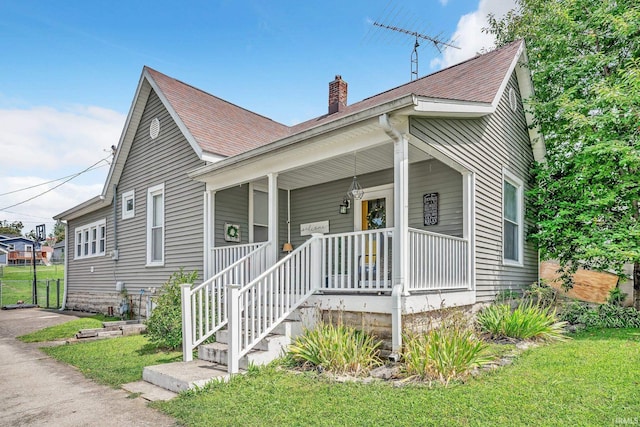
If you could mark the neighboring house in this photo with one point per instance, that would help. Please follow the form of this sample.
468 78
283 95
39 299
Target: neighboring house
58 252
20 251
4 250
443 164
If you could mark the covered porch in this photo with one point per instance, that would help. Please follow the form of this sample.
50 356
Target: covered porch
283 227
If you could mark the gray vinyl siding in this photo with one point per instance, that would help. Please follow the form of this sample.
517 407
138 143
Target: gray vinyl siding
164 160
232 207
433 176
79 275
487 145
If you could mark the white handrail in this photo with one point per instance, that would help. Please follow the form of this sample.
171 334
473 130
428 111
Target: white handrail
437 261
272 297
204 309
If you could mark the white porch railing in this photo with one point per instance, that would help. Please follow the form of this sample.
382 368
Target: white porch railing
204 308
357 261
222 257
257 308
437 261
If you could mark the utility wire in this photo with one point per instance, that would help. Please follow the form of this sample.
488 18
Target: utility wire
53 180
53 188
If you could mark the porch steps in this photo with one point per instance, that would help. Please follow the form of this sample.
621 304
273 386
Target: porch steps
267 350
212 360
181 376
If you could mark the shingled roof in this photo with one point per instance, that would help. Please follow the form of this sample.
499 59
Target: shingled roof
225 129
218 126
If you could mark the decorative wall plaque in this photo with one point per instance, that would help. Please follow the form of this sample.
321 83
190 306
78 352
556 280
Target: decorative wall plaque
430 208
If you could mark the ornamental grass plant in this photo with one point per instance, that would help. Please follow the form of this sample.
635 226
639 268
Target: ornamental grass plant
338 349
446 352
527 321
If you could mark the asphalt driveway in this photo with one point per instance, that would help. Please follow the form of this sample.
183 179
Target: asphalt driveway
36 390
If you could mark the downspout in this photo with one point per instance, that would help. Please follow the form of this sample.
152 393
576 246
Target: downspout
115 223
66 266
398 287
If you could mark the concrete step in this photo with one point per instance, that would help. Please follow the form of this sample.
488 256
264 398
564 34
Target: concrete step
148 391
218 352
181 376
270 342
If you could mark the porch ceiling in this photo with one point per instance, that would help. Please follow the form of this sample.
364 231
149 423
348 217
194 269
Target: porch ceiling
369 160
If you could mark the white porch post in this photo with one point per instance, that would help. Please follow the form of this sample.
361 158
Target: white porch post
209 238
469 221
187 330
401 212
273 218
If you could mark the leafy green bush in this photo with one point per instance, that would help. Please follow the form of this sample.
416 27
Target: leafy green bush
443 354
339 349
601 316
616 296
164 327
527 321
541 294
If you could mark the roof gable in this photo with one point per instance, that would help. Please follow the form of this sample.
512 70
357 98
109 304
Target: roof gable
218 126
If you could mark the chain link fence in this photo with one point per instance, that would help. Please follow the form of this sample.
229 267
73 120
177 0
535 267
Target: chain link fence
47 293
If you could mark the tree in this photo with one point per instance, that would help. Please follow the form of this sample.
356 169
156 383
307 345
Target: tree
58 231
584 57
12 228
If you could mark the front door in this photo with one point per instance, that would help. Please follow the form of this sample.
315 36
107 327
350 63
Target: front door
375 209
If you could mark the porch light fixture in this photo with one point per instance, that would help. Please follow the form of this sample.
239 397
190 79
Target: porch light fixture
355 191
287 247
345 205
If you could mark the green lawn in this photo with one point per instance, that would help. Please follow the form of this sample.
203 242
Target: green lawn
593 379
114 361
16 284
66 330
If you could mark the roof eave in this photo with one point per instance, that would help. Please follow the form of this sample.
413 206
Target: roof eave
83 208
403 103
437 107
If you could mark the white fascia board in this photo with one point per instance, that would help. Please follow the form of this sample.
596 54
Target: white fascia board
448 108
176 118
374 112
288 158
525 84
128 133
83 208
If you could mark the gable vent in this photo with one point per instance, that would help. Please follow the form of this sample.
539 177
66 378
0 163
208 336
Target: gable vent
154 129
513 100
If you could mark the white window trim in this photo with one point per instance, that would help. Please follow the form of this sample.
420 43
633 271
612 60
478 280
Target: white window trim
86 246
519 184
125 197
153 191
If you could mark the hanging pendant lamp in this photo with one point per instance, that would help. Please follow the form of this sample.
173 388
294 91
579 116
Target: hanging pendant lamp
355 191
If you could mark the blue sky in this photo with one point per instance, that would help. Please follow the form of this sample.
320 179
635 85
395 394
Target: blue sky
70 69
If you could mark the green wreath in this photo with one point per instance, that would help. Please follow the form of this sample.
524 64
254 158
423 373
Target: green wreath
377 217
232 232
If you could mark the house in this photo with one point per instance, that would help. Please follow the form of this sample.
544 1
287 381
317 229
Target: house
58 252
386 208
19 251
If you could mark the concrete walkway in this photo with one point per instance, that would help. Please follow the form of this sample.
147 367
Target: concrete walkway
36 390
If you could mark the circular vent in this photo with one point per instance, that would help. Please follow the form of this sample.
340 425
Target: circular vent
154 129
513 101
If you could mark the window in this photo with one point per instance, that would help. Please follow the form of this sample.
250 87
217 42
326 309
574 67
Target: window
512 219
91 239
128 204
260 216
155 225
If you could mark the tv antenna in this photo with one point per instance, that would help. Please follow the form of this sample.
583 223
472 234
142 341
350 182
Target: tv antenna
437 42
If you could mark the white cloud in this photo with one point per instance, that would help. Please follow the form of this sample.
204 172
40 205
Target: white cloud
443 2
45 138
469 36
40 144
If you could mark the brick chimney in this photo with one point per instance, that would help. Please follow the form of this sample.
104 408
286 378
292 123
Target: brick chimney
337 95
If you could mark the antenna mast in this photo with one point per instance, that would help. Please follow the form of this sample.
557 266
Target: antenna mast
437 42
